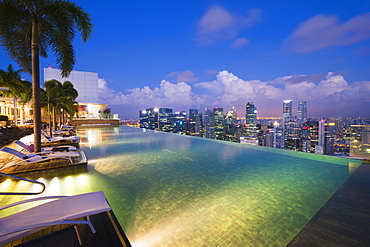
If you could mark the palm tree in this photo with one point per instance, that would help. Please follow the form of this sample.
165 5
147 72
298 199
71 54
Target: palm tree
29 27
18 88
50 97
57 97
68 106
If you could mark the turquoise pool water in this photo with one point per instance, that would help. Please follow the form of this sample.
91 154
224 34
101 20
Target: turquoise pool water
173 190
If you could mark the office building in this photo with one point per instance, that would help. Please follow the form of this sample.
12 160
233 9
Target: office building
287 107
193 113
302 111
251 119
165 119
179 122
218 116
326 137
144 119
209 124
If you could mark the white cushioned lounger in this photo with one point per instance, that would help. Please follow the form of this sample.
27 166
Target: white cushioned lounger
62 210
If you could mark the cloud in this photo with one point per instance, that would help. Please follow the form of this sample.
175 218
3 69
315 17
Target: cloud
167 94
326 94
322 31
219 24
240 43
183 76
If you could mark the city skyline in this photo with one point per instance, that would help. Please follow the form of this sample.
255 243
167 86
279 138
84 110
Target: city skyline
190 54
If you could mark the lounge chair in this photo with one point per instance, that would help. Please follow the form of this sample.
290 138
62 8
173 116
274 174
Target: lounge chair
59 140
62 210
46 149
37 157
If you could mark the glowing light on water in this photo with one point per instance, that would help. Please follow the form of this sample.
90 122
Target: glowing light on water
4 186
53 187
82 182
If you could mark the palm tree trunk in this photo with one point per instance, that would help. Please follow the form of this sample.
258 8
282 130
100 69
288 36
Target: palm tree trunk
50 132
54 119
36 87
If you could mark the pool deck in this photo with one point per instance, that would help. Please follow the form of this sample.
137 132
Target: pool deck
344 220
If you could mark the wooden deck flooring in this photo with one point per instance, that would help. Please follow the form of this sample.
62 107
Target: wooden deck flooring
345 219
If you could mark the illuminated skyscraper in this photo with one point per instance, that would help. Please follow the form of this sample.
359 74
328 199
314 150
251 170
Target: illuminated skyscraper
153 118
219 123
179 121
287 107
326 137
230 125
209 124
287 120
251 119
165 119
193 113
302 111
144 118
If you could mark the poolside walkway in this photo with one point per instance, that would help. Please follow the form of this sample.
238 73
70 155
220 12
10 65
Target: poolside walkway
344 220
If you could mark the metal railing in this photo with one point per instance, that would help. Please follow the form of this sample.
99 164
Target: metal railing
24 179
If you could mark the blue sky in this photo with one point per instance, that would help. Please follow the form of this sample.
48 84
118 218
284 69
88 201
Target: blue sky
197 54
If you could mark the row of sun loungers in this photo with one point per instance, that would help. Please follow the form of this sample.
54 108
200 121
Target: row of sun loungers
56 210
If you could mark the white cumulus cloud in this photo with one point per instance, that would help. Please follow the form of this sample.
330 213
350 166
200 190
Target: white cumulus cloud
328 92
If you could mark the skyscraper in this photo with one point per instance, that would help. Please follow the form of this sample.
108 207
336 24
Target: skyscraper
193 113
230 125
219 123
209 124
251 119
179 121
165 119
287 117
144 118
153 118
287 107
326 137
302 111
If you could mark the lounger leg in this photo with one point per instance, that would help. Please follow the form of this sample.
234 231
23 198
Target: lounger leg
91 226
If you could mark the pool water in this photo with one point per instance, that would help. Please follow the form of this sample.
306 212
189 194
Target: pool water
173 190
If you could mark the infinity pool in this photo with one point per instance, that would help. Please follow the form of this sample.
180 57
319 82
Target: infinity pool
173 190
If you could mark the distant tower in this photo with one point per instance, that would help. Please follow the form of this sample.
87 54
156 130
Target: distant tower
144 118
219 123
179 121
165 119
152 118
251 119
287 108
209 124
302 111
193 113
230 125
